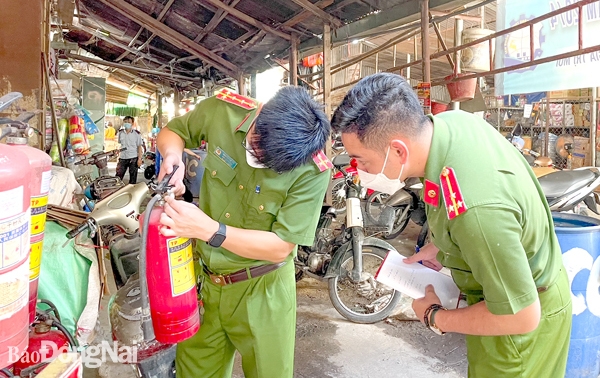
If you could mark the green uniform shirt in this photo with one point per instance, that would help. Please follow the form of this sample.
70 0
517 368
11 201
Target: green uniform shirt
502 249
238 195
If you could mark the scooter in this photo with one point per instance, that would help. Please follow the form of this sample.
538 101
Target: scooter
348 260
105 184
126 308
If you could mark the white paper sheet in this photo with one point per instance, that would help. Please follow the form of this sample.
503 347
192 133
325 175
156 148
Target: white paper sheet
411 279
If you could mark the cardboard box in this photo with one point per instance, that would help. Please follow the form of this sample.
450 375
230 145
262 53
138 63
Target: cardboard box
581 144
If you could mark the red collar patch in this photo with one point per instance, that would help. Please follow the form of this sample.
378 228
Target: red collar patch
431 193
322 161
453 198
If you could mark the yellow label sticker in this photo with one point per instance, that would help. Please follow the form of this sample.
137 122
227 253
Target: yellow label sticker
39 205
35 260
181 265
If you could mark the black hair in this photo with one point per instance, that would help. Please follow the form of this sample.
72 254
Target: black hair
290 128
128 117
378 107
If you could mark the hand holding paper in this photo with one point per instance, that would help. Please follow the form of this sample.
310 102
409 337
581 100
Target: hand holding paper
412 279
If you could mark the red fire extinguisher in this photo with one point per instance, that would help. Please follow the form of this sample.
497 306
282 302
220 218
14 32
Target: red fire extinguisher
171 281
44 345
41 165
15 174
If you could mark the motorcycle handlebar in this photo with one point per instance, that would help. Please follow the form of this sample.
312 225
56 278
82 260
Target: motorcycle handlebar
77 230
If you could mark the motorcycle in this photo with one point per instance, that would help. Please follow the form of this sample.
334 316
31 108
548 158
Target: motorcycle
348 260
149 165
105 184
565 190
119 213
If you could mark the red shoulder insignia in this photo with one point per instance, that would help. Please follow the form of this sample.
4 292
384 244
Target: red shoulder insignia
453 198
236 99
431 193
322 161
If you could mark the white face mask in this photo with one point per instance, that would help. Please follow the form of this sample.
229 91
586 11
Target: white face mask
253 161
380 181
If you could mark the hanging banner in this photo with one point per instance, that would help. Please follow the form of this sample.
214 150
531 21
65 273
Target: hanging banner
552 36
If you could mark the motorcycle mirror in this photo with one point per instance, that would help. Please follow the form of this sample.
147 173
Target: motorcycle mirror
517 130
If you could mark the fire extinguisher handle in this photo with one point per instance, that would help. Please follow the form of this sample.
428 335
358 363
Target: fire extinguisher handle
163 186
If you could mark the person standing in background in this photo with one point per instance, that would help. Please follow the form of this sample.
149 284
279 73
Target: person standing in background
131 158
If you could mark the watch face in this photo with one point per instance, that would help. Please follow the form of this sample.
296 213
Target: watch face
217 240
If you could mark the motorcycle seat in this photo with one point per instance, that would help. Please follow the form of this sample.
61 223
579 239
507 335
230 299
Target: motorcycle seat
559 183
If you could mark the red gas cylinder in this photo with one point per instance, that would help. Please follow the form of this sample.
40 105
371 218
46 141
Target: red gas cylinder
15 174
41 165
44 344
171 284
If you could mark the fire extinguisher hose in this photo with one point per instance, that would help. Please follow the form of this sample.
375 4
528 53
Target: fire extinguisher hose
70 337
147 330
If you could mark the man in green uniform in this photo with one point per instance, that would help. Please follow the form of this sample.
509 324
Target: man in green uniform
264 180
489 221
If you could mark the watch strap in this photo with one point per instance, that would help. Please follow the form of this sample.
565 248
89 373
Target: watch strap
218 237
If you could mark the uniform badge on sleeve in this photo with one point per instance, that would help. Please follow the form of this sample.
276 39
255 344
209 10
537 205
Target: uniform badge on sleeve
431 193
453 198
236 99
322 161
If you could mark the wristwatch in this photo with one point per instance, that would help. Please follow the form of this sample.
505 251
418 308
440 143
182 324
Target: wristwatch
218 237
429 318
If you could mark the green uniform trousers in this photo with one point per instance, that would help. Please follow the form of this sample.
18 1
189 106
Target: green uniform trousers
541 353
257 317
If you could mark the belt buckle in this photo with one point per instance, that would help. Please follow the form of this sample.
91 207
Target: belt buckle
218 279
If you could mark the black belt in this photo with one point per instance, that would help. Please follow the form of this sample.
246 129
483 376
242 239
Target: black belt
241 275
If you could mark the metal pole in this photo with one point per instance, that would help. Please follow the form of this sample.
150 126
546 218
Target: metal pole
458 29
594 120
407 68
159 99
377 63
394 53
425 40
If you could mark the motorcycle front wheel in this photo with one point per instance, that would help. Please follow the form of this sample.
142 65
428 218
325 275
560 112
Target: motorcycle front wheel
367 301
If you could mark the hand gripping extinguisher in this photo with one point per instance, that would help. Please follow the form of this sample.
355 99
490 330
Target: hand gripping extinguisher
167 278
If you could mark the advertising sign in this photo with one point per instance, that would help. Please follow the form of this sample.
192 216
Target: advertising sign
553 36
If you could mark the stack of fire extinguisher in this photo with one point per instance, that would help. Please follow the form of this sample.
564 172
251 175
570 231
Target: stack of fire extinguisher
24 187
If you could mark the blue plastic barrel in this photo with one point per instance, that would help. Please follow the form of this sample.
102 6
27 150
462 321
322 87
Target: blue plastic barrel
579 239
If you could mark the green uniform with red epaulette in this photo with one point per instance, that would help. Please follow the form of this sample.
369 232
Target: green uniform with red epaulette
257 316
490 220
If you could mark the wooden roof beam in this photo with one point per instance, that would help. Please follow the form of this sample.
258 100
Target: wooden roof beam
303 15
160 17
244 17
326 17
215 21
172 36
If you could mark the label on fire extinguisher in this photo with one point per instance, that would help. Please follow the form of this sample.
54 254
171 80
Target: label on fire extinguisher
35 260
39 205
14 289
14 240
181 265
